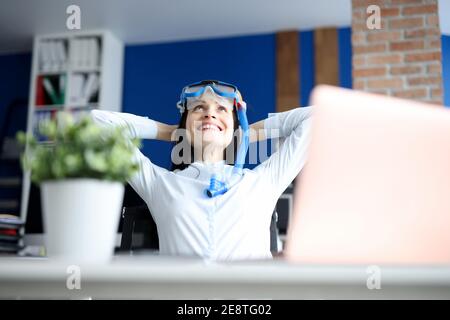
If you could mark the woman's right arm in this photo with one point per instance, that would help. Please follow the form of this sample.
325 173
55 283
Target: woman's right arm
165 131
142 128
138 126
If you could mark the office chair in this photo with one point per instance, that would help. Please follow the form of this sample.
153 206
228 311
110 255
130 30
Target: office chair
139 230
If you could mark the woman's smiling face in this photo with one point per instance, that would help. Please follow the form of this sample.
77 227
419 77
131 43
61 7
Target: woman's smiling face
210 121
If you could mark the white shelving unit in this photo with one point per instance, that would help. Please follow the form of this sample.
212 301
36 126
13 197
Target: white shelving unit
74 71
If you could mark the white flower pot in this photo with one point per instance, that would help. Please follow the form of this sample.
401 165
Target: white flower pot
81 218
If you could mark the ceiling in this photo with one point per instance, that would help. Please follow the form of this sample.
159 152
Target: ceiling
150 21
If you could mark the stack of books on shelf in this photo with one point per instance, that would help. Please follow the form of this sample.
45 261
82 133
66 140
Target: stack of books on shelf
85 53
10 238
50 90
53 55
84 88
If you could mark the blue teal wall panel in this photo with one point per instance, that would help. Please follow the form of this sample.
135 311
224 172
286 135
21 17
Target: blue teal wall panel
446 68
345 57
306 65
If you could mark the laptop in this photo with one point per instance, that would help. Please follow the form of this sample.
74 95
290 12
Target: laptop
376 187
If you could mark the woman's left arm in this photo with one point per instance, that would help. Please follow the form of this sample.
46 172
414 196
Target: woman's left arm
294 127
282 123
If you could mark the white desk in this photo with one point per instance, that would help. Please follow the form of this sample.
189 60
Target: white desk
147 277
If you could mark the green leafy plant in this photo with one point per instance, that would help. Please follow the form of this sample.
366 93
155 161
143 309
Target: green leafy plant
78 149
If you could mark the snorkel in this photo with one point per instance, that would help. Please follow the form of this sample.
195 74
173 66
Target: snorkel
223 89
216 186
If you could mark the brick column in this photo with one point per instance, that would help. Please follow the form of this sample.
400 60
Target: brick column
403 58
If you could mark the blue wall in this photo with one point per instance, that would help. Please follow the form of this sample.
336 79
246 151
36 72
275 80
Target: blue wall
306 65
14 84
345 57
446 68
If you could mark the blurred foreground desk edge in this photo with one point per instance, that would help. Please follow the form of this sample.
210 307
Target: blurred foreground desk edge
172 278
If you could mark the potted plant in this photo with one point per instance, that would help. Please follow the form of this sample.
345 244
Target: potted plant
81 168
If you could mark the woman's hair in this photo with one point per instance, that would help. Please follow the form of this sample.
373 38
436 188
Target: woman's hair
231 148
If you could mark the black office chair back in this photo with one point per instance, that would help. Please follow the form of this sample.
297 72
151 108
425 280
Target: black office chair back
139 230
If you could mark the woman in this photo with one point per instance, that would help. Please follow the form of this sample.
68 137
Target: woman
232 225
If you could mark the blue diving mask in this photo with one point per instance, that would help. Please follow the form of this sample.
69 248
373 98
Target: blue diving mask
220 88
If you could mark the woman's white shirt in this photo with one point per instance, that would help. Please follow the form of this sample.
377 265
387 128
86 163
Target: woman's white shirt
231 226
